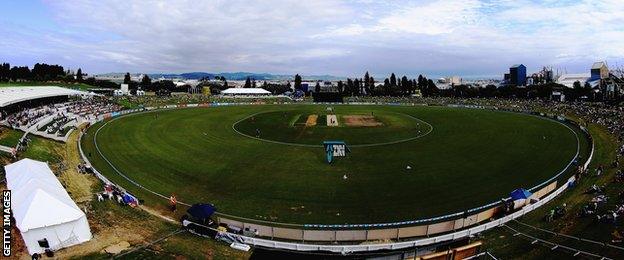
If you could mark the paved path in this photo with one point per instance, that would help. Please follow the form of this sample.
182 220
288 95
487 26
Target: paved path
5 149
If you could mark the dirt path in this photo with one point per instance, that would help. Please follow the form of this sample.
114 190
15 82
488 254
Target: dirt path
78 185
158 214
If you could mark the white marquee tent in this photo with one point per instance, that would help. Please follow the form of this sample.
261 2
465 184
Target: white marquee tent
246 91
42 208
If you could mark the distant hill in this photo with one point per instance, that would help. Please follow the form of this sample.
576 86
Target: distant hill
227 75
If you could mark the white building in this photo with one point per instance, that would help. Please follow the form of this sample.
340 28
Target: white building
254 92
569 79
455 80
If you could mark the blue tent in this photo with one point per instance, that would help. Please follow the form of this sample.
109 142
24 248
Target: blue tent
520 194
201 211
127 198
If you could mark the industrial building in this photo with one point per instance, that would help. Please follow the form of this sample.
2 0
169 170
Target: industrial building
517 76
599 78
599 71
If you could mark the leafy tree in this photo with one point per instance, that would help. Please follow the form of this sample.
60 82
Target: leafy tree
100 83
576 85
127 78
247 83
317 88
5 72
349 88
45 72
39 72
405 89
386 87
276 88
79 75
297 82
21 73
393 81
422 82
167 85
369 86
146 82
432 88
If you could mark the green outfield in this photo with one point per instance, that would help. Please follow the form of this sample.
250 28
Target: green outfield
249 162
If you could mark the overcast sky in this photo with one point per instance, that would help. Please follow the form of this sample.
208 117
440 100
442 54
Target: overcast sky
342 38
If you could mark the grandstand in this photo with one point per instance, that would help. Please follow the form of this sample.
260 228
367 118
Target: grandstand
50 112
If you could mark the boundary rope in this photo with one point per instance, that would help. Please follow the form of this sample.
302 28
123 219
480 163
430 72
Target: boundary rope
411 222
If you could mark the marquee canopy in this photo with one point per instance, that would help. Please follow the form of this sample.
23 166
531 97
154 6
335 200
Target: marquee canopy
42 208
245 91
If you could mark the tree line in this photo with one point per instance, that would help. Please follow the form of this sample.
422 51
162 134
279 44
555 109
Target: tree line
39 72
368 86
535 91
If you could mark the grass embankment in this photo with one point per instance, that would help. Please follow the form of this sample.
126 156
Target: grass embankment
501 242
195 154
10 137
112 224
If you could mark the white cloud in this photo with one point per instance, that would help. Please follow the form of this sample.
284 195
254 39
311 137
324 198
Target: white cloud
322 36
438 17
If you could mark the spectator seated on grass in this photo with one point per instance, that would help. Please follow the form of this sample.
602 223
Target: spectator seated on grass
594 189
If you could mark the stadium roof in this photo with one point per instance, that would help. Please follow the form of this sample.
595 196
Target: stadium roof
569 79
246 91
12 95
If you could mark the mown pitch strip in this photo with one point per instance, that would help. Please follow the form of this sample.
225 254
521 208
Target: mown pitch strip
467 158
